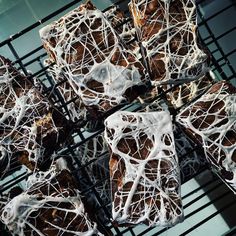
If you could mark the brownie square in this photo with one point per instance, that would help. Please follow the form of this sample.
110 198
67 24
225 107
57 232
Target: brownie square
93 58
210 122
167 31
51 206
144 169
31 129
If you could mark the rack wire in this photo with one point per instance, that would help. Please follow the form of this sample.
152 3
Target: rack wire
221 65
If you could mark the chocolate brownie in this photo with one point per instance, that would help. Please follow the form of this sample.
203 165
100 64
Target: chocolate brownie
92 57
167 31
31 129
49 207
144 169
210 121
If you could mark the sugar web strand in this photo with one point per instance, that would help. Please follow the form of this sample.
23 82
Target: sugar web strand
191 160
95 152
27 120
143 168
168 33
76 109
93 58
49 207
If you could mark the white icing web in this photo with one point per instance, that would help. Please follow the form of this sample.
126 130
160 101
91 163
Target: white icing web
8 164
191 160
144 169
90 53
51 207
28 130
211 120
92 149
168 33
76 108
187 92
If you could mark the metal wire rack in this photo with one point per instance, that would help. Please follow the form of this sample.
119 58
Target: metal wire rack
222 66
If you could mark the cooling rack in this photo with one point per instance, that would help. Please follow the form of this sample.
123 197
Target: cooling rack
208 184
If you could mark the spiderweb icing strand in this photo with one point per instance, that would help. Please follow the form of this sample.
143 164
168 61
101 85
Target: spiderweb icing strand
168 32
97 65
76 108
143 168
95 152
50 207
211 121
191 160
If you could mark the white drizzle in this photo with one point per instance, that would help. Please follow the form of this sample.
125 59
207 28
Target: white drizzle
23 211
154 200
220 106
189 161
95 152
76 108
92 59
181 59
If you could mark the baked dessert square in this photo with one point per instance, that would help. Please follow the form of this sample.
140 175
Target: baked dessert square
102 72
31 129
210 121
51 206
144 169
167 31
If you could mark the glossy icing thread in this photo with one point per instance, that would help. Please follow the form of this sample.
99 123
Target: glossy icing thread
168 33
77 110
211 122
143 168
95 152
93 58
49 207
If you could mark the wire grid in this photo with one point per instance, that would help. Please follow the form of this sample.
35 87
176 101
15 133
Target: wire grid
220 65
